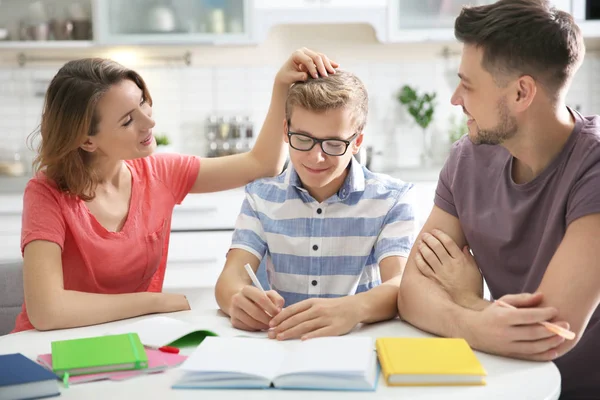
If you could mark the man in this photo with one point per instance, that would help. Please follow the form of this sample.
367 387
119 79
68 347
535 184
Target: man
522 192
334 236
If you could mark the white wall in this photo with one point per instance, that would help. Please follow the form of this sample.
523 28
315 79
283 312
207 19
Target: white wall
237 80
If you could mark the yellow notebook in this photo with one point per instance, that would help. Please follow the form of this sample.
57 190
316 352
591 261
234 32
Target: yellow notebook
428 362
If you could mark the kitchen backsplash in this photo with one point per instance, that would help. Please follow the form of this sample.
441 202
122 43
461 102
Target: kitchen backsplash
185 96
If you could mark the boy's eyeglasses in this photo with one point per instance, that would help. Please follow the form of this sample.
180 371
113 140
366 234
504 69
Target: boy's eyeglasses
332 147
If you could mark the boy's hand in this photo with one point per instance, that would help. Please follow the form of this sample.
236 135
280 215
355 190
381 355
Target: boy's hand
251 309
315 317
302 62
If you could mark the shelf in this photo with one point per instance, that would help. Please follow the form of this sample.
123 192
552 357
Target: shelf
154 39
46 44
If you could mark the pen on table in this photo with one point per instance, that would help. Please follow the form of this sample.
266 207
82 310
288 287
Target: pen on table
559 330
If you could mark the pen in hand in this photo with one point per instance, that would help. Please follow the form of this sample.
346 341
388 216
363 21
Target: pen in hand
256 282
559 330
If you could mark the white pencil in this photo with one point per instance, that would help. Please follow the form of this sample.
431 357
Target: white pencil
253 277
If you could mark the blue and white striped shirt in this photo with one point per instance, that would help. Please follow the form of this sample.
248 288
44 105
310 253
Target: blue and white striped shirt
327 249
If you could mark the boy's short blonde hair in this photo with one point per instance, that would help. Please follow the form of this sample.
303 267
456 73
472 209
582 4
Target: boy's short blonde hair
340 90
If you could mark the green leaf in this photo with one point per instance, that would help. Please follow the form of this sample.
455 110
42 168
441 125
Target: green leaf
420 107
162 140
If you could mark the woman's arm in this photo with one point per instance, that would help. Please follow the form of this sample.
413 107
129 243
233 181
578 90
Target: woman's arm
267 157
50 306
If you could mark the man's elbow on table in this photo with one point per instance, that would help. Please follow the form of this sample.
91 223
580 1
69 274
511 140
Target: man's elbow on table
404 300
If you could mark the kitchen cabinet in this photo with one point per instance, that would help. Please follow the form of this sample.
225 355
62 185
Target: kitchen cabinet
317 4
433 20
587 16
564 5
201 230
56 24
10 227
290 4
268 13
30 24
10 246
196 258
208 211
584 9
420 21
173 22
353 3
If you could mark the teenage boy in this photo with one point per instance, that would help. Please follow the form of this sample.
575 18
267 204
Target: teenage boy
333 236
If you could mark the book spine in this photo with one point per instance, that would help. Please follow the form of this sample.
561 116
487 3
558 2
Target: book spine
383 359
138 363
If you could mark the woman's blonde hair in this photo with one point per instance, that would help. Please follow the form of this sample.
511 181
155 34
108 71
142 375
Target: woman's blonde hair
70 116
340 90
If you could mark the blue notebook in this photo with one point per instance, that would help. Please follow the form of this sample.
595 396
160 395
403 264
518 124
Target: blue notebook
22 378
330 363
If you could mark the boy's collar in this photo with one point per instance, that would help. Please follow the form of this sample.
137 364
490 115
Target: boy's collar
354 182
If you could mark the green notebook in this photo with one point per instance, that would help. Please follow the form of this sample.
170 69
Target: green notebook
98 354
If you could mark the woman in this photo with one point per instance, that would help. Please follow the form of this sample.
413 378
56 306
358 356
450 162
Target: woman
97 215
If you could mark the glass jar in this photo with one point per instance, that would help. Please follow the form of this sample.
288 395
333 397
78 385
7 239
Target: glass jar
11 162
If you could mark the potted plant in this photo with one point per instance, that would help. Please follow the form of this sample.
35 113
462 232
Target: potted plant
458 128
163 144
422 108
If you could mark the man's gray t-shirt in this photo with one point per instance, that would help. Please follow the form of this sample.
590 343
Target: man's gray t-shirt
515 229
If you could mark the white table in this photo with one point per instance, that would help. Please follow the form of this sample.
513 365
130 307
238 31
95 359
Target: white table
507 378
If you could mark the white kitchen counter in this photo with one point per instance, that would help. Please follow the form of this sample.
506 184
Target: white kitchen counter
11 185
11 203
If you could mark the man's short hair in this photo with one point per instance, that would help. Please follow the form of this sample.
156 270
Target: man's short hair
524 37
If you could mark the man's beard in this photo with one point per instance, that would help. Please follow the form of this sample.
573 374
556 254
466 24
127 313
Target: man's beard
506 128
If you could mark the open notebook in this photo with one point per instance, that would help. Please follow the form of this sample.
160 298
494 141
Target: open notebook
161 331
331 363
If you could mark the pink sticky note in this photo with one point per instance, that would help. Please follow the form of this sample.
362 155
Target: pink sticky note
158 361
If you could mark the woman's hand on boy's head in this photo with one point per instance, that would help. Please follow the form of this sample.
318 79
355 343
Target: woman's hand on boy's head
315 318
302 62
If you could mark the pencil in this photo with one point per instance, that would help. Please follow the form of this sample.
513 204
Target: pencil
559 330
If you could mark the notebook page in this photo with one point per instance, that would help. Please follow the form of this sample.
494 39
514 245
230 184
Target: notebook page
156 331
222 327
339 355
160 331
237 355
